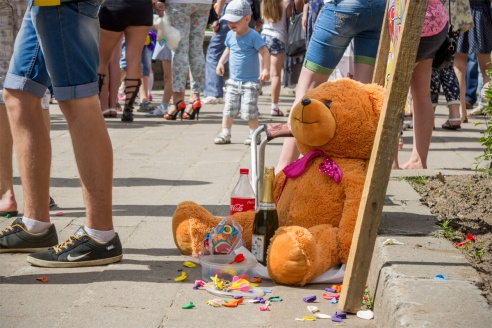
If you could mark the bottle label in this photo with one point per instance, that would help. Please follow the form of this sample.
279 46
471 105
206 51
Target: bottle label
266 206
242 205
258 246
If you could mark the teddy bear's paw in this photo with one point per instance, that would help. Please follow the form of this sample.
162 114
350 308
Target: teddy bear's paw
191 222
290 256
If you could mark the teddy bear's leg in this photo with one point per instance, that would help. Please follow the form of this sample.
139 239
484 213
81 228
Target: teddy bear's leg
297 255
191 222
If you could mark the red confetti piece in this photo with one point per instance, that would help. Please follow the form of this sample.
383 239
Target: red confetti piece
59 214
463 243
42 279
471 237
330 297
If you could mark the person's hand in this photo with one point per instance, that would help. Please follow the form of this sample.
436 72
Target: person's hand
215 26
258 25
220 69
159 8
264 75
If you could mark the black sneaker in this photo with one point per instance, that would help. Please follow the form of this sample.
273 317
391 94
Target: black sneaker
78 251
16 239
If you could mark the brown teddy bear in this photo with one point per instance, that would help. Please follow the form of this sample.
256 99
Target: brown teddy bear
317 196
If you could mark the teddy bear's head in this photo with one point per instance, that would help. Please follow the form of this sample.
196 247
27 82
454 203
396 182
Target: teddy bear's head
338 117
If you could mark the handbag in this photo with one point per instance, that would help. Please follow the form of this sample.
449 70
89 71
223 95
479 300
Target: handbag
444 56
296 40
212 16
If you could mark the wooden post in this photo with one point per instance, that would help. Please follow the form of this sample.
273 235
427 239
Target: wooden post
379 169
383 52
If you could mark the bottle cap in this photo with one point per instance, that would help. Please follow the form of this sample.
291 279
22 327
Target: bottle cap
244 171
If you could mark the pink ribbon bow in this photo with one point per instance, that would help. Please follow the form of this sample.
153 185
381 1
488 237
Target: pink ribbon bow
328 167
297 168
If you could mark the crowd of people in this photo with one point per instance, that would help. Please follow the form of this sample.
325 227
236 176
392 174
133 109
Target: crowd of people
111 43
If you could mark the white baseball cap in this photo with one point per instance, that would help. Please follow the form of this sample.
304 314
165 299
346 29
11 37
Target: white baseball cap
236 10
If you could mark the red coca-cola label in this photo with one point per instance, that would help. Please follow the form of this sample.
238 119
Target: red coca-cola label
242 205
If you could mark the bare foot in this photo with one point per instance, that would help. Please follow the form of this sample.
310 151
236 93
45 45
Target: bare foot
413 166
8 206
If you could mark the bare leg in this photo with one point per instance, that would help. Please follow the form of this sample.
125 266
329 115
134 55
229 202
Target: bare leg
423 115
94 156
114 75
253 124
276 72
106 48
484 64
33 149
363 72
143 89
460 62
7 198
135 39
168 81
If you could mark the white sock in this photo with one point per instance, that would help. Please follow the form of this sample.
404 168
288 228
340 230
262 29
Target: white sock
226 131
35 226
274 106
100 235
151 83
251 131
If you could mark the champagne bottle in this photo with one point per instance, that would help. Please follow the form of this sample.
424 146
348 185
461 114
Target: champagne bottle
266 219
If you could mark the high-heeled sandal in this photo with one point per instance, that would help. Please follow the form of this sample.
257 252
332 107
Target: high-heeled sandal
127 115
195 110
180 107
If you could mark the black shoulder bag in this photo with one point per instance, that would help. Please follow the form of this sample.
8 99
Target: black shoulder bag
296 37
444 56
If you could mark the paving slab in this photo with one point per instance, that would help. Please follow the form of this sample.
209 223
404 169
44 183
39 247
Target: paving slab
159 163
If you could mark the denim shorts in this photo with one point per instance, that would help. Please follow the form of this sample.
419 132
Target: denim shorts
242 97
338 23
274 45
65 54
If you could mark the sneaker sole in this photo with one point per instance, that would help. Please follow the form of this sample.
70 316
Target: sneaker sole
23 250
55 264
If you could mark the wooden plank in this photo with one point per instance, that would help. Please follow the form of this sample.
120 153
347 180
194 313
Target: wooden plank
379 169
383 51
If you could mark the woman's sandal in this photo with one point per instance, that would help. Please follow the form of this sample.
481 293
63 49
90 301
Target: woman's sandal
449 126
110 112
179 107
195 111
276 112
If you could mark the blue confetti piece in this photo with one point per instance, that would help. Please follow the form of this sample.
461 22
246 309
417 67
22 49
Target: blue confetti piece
441 277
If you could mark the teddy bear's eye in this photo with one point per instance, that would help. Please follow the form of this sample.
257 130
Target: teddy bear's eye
328 103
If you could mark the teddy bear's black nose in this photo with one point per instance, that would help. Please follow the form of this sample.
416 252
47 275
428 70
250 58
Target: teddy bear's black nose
306 101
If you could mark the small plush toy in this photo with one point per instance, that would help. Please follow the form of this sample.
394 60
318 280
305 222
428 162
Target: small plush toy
318 196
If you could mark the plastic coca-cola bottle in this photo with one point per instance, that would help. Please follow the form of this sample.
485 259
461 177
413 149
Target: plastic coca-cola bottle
242 196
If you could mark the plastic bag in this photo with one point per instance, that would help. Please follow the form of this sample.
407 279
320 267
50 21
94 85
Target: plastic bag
167 33
224 238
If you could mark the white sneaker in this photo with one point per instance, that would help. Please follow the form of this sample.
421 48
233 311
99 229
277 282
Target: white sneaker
247 142
222 139
213 100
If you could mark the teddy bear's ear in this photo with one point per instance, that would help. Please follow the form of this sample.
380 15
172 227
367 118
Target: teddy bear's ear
376 94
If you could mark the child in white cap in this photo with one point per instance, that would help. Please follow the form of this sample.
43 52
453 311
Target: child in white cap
242 47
